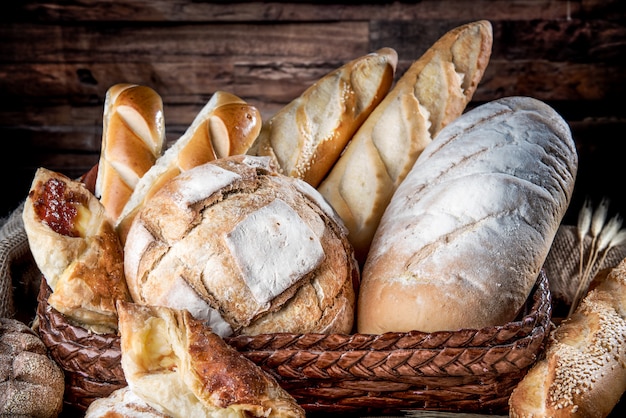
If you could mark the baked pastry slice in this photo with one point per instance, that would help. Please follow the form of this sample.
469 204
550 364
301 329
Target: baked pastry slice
76 249
177 365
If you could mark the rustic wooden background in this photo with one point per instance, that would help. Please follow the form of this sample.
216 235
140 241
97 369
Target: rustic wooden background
57 60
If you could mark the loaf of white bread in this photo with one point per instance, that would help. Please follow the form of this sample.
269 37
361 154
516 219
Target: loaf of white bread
133 136
305 138
583 371
430 94
465 235
244 248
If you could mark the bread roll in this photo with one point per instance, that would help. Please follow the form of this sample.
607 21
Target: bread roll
466 233
178 366
31 383
430 94
77 250
226 125
244 248
306 137
583 373
133 134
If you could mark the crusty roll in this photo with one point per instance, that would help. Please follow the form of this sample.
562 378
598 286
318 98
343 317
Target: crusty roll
31 383
226 125
430 94
244 248
466 233
306 137
583 373
178 366
133 134
77 250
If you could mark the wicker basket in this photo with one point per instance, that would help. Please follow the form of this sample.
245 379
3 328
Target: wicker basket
466 370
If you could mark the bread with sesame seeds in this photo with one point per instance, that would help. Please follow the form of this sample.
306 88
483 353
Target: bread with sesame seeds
583 373
306 137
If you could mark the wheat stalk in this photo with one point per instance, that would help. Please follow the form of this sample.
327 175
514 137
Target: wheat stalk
605 235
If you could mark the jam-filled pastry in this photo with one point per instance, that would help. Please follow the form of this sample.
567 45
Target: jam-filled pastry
76 249
177 365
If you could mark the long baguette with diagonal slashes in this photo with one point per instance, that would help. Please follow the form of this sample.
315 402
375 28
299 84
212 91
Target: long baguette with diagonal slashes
467 232
226 125
306 137
430 94
583 373
133 135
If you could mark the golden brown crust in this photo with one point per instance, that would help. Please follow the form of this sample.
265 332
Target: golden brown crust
307 136
180 367
234 242
583 373
225 125
430 94
81 257
133 136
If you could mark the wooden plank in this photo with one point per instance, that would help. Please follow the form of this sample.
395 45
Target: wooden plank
101 42
241 11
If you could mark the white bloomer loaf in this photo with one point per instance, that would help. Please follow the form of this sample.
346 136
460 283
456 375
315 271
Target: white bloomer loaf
465 235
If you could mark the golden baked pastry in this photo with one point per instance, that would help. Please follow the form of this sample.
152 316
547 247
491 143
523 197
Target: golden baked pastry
77 250
178 366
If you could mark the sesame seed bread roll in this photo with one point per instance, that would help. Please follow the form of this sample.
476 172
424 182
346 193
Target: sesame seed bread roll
226 125
306 137
583 373
133 134
466 233
430 94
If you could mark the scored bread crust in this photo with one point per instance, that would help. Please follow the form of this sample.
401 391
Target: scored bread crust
246 248
434 91
306 137
133 135
583 373
464 237
226 125
177 365
82 261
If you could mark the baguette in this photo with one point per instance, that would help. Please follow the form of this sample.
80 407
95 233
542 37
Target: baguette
465 235
306 137
226 125
430 94
133 135
583 373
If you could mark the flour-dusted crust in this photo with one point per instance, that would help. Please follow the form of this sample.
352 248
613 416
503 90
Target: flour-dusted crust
177 365
244 248
76 249
583 373
465 235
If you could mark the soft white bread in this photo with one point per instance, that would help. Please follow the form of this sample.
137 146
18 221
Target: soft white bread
76 249
226 125
122 403
430 94
177 365
466 233
244 248
306 137
133 134
583 373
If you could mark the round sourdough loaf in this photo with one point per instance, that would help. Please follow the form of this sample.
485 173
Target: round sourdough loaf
247 249
465 235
